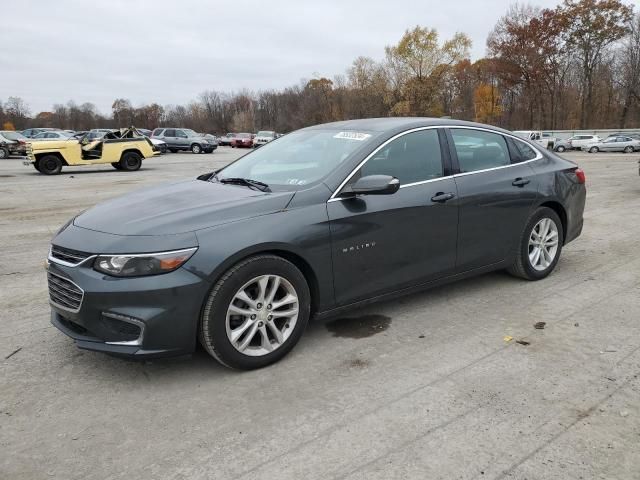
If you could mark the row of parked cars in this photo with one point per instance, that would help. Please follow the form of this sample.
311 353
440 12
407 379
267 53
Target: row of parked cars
164 139
616 142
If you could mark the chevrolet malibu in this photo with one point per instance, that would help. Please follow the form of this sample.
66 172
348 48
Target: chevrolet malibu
323 219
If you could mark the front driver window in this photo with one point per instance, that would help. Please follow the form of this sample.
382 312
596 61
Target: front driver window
479 150
411 158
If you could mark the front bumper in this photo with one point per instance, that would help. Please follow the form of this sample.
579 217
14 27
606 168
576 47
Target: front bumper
151 316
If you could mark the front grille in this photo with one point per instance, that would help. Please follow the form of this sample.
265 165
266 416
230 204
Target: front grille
70 256
64 293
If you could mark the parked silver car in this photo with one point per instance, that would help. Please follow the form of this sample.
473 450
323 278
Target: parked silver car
184 139
614 144
53 135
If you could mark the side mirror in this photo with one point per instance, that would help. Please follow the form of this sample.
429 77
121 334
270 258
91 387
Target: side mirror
373 185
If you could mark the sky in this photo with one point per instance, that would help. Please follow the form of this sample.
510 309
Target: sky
170 51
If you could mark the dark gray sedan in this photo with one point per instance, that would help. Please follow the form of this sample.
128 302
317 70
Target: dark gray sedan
323 219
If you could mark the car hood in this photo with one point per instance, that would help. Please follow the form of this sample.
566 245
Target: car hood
52 144
179 208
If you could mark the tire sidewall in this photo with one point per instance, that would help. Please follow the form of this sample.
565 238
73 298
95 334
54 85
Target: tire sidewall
543 212
560 149
124 161
4 153
195 148
213 322
44 162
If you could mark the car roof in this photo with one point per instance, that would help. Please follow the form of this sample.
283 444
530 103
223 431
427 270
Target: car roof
400 123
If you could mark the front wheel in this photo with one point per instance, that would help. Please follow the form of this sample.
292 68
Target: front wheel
539 247
594 150
130 161
195 148
4 153
256 313
49 165
560 149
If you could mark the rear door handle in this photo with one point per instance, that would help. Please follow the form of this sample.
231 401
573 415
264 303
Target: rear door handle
441 197
520 182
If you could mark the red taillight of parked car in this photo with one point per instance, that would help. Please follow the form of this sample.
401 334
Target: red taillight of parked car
580 175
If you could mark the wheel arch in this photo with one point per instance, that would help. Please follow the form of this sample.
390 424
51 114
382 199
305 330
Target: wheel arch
280 250
39 155
131 150
562 213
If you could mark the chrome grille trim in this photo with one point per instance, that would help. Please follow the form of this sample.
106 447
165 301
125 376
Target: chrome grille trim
62 294
68 258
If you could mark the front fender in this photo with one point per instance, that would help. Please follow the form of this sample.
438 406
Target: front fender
302 233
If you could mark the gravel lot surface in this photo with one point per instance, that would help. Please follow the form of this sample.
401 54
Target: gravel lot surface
422 387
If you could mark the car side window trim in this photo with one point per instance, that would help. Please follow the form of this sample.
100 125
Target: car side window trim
454 156
334 196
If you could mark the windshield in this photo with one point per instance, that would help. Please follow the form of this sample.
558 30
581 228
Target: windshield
13 135
298 159
265 134
243 135
191 133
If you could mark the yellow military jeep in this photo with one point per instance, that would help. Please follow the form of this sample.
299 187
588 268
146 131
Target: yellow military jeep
124 150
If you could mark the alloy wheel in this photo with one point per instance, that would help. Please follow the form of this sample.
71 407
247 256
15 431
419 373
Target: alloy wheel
262 315
543 244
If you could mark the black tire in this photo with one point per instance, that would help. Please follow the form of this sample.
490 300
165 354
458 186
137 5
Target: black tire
130 161
628 149
49 165
36 166
594 150
521 266
560 149
212 332
173 150
117 166
4 153
196 148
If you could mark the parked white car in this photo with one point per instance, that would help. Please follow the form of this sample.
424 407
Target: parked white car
544 139
613 144
579 141
262 137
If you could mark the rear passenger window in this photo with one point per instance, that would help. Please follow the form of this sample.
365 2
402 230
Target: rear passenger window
479 150
523 151
411 158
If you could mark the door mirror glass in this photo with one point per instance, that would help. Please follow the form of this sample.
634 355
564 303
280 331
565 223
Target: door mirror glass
373 185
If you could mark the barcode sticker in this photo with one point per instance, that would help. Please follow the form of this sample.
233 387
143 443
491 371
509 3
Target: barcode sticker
352 136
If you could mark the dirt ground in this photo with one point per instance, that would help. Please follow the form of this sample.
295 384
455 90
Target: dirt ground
422 387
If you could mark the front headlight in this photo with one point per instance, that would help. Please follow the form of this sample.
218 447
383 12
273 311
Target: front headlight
140 264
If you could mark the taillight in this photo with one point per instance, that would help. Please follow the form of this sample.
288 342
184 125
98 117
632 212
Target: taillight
580 175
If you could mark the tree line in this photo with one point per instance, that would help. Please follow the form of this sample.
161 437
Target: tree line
576 66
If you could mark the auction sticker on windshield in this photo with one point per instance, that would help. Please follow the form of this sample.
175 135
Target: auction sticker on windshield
352 136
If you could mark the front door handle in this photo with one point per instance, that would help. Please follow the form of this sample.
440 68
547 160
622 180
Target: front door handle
520 182
442 197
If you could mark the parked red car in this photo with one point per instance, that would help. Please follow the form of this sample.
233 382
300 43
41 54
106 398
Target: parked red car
242 140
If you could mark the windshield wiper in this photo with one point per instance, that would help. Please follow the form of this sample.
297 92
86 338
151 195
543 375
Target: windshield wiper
263 187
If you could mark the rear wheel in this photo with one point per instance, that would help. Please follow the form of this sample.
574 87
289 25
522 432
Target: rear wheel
130 161
4 153
195 148
256 313
628 149
560 149
594 150
539 248
49 165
